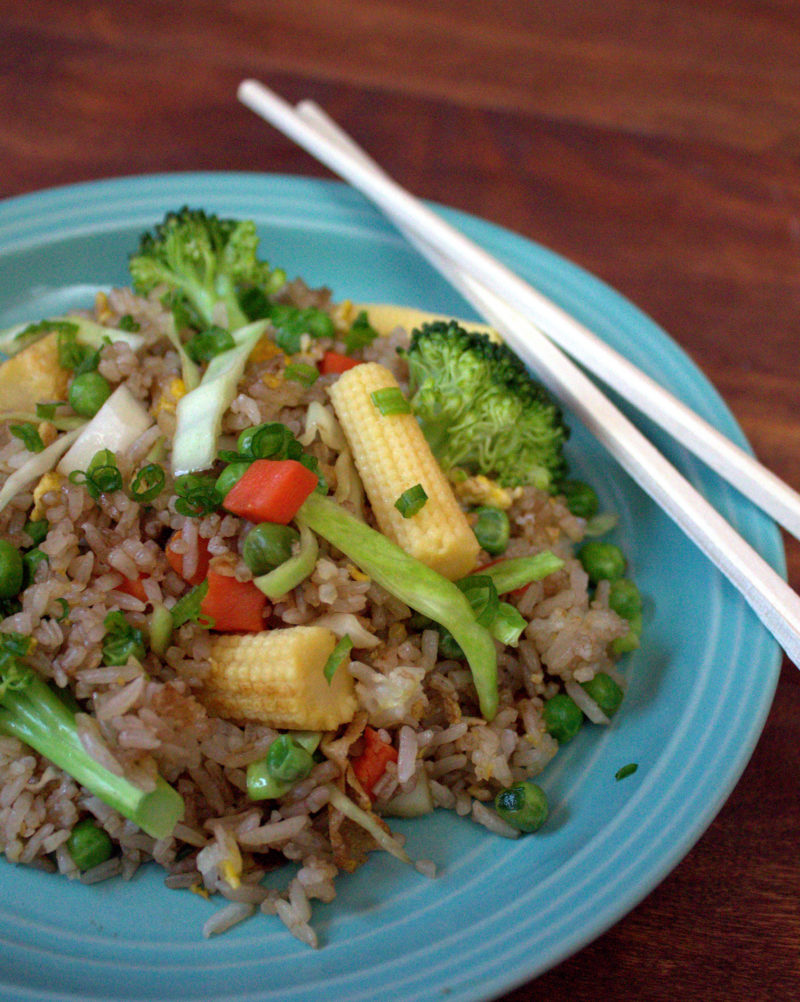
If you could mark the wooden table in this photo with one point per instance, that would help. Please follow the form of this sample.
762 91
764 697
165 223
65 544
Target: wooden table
656 143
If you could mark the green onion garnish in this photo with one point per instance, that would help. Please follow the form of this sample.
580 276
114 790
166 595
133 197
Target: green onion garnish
411 501
336 657
390 400
302 372
28 435
361 334
122 641
102 475
127 323
148 483
197 496
187 609
626 770
46 411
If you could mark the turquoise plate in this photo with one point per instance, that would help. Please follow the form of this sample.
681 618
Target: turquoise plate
499 912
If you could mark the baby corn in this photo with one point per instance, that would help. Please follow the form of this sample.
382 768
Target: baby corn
277 677
391 456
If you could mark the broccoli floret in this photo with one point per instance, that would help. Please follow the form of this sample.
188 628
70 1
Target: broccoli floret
203 261
33 713
480 409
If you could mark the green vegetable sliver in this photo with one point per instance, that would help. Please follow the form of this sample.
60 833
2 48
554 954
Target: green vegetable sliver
517 572
200 412
37 717
413 583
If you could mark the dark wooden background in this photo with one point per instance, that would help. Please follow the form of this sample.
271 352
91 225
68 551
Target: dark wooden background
656 143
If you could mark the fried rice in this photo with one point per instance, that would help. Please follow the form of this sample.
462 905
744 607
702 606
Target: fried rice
147 717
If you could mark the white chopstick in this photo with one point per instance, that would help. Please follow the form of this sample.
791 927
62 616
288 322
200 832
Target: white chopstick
774 602
731 462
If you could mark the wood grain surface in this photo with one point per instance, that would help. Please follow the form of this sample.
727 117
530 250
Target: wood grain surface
655 143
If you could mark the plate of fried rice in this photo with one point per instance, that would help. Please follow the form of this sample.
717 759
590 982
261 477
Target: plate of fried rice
336 659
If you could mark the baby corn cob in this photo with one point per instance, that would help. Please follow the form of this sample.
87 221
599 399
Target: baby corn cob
276 677
391 455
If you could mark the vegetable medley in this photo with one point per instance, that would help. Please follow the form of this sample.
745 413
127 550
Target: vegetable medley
274 569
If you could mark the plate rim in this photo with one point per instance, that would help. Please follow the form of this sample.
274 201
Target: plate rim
89 188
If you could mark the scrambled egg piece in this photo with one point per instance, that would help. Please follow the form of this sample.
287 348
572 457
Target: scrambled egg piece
169 400
33 376
49 482
482 490
265 350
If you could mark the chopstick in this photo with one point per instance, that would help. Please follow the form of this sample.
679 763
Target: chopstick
731 462
766 592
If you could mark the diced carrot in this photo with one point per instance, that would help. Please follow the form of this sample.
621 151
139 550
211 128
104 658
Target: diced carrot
175 560
134 587
272 490
371 764
234 605
334 361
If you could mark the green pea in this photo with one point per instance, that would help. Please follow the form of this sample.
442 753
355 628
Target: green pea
492 529
231 475
624 598
88 392
12 570
605 692
629 641
523 805
37 530
581 498
89 845
288 761
262 785
267 546
602 561
563 717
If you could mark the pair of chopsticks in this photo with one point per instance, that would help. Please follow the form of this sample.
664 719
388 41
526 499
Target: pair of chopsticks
521 314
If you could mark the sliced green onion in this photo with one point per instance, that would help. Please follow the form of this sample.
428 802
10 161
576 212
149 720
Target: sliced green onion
626 770
196 496
46 411
411 501
122 641
492 529
102 476
29 436
148 483
187 608
127 323
336 657
360 335
64 610
390 400
71 355
302 372
290 323
265 441
287 760
508 624
161 627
